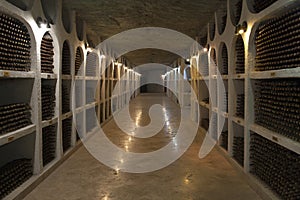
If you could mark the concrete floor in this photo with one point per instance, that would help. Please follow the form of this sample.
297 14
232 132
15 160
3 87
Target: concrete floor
82 177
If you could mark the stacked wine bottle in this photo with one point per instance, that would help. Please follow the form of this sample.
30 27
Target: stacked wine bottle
277 42
91 64
48 101
259 5
90 95
14 117
240 56
277 106
275 165
14 44
225 106
90 119
238 11
14 174
49 144
214 126
224 64
47 53
214 60
66 59
240 105
65 98
224 140
78 93
238 149
204 68
78 61
66 133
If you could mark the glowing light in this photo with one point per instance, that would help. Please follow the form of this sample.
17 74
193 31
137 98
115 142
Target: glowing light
89 49
205 49
43 25
129 139
186 181
105 198
241 31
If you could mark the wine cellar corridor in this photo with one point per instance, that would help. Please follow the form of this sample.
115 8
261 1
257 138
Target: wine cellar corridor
117 100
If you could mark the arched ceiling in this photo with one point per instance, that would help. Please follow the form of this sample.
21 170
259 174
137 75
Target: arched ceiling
105 18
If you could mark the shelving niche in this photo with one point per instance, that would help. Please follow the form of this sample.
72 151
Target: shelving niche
260 72
41 70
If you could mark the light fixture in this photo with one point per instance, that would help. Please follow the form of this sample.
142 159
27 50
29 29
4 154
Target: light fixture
241 28
42 23
89 49
206 48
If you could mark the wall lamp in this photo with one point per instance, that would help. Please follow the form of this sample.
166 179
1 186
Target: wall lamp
206 48
241 28
187 61
42 23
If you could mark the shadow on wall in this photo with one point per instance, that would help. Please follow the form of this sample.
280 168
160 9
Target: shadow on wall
152 88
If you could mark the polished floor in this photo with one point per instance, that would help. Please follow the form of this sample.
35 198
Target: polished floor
82 177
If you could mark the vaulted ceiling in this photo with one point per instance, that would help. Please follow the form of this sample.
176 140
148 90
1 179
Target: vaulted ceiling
105 18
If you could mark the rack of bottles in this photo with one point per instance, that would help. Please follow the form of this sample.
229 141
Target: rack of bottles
78 61
66 59
240 56
277 42
261 92
48 99
14 117
277 106
13 174
275 165
36 99
49 144
67 133
47 53
15 44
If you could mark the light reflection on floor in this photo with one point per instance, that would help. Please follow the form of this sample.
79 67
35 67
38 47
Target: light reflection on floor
83 178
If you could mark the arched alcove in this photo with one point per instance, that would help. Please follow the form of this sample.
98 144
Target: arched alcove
235 7
50 10
22 4
15 45
91 64
239 56
212 30
66 59
79 28
221 21
78 60
223 59
66 20
47 54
